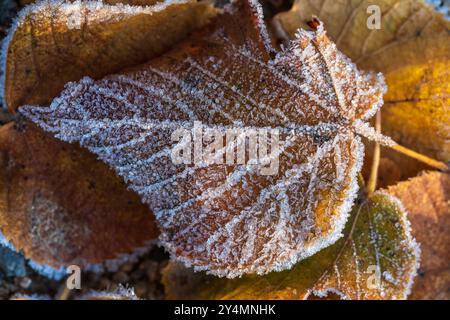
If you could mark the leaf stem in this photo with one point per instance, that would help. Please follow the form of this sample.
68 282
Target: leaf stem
420 157
372 183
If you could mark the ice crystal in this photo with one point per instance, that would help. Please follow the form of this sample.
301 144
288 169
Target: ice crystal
227 218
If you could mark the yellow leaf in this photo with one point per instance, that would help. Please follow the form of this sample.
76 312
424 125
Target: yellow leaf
54 42
377 241
427 200
417 108
412 49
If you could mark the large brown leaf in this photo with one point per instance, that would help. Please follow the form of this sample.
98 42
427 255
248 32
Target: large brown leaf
427 200
61 206
230 219
54 42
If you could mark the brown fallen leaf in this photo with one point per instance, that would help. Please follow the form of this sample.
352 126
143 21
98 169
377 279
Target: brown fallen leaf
230 218
412 49
426 198
377 239
54 42
61 206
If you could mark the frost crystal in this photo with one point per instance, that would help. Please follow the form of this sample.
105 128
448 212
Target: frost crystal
227 218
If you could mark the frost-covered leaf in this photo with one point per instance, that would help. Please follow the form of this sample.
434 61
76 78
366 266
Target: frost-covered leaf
61 206
56 41
230 219
412 49
376 259
426 198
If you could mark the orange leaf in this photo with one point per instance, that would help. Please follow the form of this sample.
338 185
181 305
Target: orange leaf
61 206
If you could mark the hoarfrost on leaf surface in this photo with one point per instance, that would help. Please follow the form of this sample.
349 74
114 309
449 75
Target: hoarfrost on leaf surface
377 258
53 42
229 219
